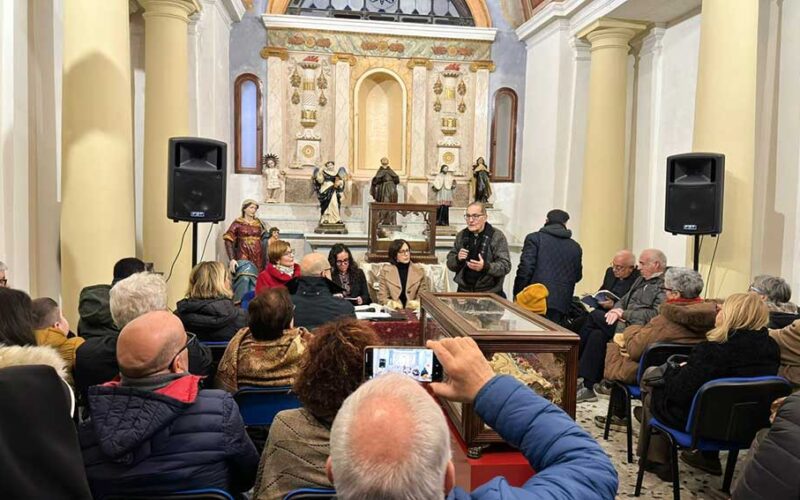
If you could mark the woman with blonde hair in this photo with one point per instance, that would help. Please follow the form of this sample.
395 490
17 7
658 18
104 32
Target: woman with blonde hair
280 269
739 345
208 310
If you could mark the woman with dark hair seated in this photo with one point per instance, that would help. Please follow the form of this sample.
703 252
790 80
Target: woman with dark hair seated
400 283
331 369
267 352
208 310
347 275
280 269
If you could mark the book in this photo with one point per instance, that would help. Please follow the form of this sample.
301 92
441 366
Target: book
593 301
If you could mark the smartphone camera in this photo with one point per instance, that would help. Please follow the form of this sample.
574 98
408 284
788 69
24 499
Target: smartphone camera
416 362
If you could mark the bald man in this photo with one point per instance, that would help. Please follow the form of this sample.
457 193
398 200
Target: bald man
154 431
316 298
619 276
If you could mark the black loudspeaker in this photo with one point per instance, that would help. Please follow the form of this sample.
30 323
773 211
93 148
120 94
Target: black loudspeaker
196 187
695 183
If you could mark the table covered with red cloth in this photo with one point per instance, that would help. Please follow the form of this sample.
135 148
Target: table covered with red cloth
402 332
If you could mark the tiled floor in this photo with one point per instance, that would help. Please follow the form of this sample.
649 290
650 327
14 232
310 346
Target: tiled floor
695 484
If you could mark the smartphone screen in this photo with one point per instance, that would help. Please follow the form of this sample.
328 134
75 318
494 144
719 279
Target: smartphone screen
416 362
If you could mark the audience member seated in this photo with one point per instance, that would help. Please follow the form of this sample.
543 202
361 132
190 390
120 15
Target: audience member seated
777 293
95 313
788 339
3 275
331 369
313 294
208 310
17 341
738 346
40 453
155 430
400 283
52 329
140 293
770 470
267 352
348 276
637 307
684 318
390 438
281 267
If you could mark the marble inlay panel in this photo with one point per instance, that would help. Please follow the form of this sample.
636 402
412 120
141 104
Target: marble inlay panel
419 79
480 139
342 114
275 117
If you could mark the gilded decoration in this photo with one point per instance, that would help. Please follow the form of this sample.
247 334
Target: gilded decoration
280 52
359 44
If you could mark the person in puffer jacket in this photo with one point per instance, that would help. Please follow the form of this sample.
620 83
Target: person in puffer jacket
390 438
154 431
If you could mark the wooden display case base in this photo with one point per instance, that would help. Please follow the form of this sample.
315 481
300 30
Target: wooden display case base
331 229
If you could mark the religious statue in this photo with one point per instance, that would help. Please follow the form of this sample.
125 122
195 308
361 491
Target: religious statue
329 186
244 247
273 178
481 186
384 190
443 185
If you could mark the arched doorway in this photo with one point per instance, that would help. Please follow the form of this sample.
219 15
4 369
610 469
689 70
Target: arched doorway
379 122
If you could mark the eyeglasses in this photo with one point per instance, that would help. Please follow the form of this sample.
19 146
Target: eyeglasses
191 338
755 289
289 252
342 262
404 251
618 268
473 216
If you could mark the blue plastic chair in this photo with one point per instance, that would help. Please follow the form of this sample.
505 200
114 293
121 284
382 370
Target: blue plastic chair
725 415
217 350
317 493
654 355
259 405
196 494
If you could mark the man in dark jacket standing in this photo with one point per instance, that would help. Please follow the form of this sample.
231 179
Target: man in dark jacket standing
155 431
551 257
480 255
313 294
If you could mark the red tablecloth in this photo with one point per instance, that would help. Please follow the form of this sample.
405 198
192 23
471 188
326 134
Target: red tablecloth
406 332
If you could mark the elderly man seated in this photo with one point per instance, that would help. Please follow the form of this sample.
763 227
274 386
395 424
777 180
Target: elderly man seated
316 298
390 439
155 431
637 307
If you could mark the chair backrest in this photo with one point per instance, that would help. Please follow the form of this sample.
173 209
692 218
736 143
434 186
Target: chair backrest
259 405
197 494
658 354
317 493
734 409
217 350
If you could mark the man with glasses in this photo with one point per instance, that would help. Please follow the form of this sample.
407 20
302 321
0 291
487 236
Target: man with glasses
480 255
154 431
317 299
3 275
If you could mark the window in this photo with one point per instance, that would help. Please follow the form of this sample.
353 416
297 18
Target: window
248 120
453 12
504 135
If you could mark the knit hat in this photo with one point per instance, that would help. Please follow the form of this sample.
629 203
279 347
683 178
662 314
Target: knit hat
557 216
534 298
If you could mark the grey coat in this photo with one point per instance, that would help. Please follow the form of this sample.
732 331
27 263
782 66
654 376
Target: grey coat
495 256
642 301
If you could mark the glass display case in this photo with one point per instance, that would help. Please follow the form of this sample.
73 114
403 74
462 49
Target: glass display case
415 223
516 342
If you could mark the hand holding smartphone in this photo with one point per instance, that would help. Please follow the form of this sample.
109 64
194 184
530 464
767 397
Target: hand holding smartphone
418 363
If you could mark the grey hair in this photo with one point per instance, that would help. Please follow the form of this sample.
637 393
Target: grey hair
658 256
478 204
420 476
3 267
687 282
775 288
137 294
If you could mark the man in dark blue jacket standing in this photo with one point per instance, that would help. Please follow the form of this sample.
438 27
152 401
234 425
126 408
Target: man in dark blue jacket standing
551 257
154 431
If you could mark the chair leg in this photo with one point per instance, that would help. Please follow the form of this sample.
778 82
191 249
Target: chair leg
609 413
643 459
730 465
629 413
673 458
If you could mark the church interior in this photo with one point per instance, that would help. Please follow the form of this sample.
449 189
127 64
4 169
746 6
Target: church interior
658 133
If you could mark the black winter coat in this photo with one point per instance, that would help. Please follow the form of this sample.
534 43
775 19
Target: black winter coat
618 287
745 354
551 257
314 301
358 286
497 261
141 442
212 320
771 473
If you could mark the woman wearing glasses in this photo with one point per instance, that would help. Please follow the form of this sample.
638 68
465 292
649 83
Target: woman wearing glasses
208 309
400 283
347 275
280 269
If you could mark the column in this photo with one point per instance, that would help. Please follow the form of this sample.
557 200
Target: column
97 209
277 100
724 122
603 214
166 114
480 139
417 187
341 146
